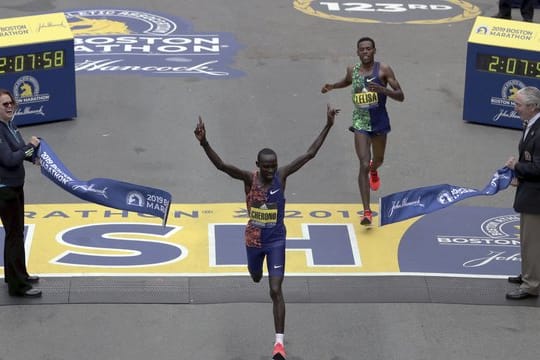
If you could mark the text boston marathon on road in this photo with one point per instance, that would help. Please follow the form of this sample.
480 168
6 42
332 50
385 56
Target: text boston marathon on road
110 40
130 45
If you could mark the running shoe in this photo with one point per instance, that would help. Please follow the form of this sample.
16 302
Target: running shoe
374 179
279 352
366 218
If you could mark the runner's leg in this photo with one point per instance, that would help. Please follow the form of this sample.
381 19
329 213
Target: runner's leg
255 258
275 259
379 146
278 302
362 145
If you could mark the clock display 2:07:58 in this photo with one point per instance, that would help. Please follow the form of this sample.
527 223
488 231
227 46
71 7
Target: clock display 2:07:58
43 60
508 65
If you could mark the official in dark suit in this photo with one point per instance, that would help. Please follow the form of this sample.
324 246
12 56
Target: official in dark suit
527 199
13 152
526 8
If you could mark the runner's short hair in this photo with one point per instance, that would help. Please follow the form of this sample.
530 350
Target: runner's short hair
265 151
365 38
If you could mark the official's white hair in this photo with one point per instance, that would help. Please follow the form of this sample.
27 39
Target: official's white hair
531 95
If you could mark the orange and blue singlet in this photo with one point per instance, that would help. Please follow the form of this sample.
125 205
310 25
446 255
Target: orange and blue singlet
265 231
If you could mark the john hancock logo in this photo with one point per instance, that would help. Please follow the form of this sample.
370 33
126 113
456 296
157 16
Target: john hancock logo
133 41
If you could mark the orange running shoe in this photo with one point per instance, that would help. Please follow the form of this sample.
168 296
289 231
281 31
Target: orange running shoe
374 179
367 218
279 352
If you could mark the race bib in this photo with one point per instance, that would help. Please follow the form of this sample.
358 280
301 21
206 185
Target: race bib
263 215
365 100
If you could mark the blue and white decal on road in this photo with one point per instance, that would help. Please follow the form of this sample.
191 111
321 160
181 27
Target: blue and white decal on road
140 42
463 240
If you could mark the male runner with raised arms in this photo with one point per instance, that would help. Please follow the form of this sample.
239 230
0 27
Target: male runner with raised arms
371 124
265 231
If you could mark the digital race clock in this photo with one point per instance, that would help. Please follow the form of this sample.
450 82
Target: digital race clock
43 60
503 56
512 66
37 64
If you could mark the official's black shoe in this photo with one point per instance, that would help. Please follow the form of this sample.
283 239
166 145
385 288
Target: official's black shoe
515 279
501 16
32 279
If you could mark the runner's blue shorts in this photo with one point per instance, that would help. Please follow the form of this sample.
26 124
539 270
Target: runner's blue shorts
275 258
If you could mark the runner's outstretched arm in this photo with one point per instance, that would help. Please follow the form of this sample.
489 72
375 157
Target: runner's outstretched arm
231 170
300 161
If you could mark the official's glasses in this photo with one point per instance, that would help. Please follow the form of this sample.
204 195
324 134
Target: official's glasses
8 103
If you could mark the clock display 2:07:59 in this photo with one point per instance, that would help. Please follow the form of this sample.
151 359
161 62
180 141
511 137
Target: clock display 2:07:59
44 60
508 65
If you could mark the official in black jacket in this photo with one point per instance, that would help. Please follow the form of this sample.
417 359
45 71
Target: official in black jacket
527 200
13 151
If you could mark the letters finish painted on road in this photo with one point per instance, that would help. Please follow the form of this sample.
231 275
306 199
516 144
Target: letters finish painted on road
322 239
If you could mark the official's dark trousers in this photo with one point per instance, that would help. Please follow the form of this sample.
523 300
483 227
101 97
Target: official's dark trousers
12 215
530 252
526 7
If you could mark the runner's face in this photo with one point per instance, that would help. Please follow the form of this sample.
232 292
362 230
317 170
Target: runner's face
366 52
268 166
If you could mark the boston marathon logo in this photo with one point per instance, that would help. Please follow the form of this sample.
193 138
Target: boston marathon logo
132 41
391 12
26 91
505 32
508 92
463 240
